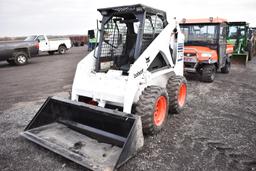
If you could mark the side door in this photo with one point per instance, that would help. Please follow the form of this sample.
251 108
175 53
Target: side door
5 51
43 43
222 44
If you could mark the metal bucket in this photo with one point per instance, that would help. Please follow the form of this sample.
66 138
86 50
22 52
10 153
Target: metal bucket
240 59
95 137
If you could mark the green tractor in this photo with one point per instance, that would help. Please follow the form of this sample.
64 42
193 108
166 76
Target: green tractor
238 36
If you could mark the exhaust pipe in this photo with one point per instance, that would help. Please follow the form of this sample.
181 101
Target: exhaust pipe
94 137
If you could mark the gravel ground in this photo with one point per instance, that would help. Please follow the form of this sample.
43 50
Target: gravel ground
216 131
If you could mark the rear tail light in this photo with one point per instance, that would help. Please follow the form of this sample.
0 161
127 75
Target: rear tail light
37 45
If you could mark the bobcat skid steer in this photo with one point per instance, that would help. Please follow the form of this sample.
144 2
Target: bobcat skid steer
122 89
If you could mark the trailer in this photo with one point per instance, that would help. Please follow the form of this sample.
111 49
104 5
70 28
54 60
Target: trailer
79 40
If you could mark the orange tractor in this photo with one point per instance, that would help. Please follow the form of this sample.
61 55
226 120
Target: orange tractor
206 49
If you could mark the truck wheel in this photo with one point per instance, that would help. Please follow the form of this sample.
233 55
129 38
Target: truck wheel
10 61
153 107
177 92
20 58
226 68
208 73
51 52
62 50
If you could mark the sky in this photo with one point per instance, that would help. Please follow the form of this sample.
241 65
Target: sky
63 17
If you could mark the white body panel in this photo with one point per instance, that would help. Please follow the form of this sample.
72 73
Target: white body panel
114 88
52 44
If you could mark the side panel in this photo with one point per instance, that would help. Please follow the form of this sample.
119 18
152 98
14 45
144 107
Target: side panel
83 70
67 42
5 52
139 77
158 78
179 64
43 44
8 48
54 44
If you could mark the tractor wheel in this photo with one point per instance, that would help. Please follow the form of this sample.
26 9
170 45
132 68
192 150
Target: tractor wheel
153 107
62 50
226 68
208 73
177 92
20 58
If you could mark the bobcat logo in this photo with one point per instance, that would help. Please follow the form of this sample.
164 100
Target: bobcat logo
138 73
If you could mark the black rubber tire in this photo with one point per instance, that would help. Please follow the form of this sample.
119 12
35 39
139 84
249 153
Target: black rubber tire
11 61
208 73
173 88
20 58
51 52
146 108
226 68
62 50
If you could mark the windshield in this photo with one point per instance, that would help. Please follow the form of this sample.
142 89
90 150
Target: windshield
30 38
117 42
200 33
236 31
114 37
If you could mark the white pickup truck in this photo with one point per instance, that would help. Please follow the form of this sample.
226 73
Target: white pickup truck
51 45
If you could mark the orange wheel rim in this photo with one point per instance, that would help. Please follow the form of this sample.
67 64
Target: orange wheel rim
160 110
182 94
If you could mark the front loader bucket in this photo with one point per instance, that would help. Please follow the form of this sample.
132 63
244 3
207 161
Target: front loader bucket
240 59
95 137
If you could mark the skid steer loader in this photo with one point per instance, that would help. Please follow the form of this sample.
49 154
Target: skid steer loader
122 89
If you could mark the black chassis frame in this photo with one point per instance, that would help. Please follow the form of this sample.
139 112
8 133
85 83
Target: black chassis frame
219 45
140 11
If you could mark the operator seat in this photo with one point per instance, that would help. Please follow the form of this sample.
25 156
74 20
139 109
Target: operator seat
128 54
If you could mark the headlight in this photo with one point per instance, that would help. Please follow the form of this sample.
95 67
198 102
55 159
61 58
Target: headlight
205 54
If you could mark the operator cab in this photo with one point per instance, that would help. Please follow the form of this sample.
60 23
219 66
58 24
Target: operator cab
209 33
125 33
238 36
